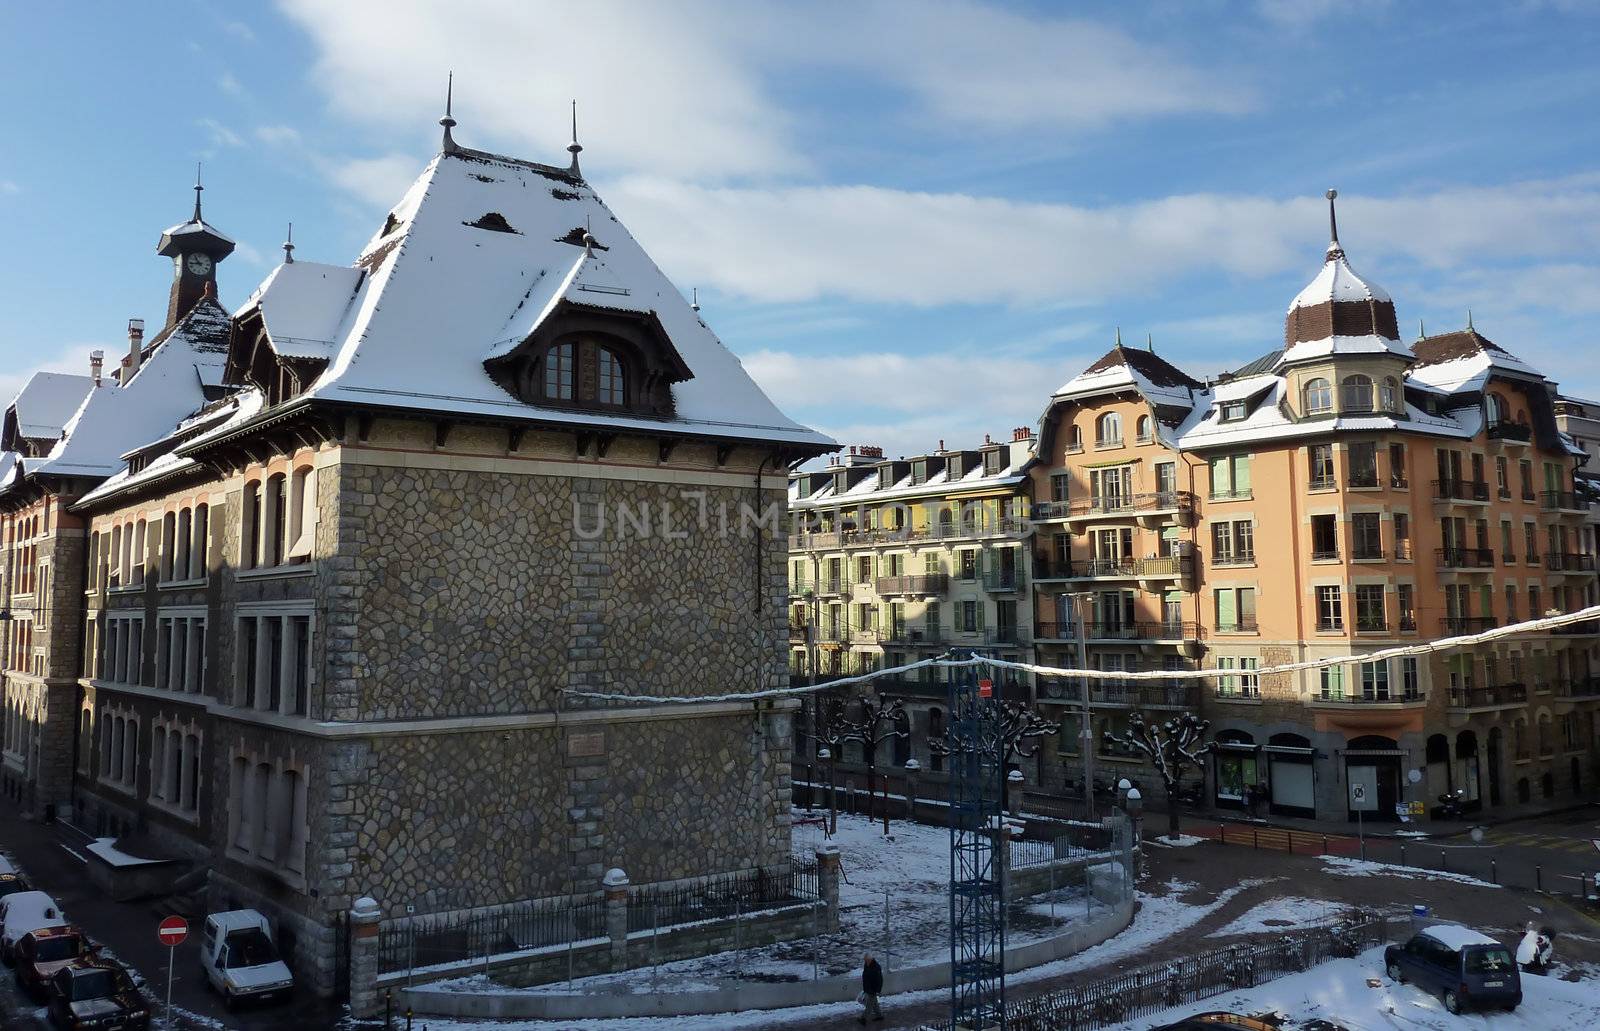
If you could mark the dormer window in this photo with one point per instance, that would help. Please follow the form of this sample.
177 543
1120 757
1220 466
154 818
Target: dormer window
582 372
582 358
1389 394
558 373
1234 411
610 390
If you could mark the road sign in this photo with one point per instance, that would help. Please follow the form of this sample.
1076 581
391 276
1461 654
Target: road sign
1358 794
173 931
1417 808
986 688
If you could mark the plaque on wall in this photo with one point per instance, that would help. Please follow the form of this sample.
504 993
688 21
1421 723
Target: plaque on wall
586 744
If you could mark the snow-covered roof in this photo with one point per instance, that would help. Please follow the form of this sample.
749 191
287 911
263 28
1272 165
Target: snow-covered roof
1337 281
48 400
196 226
868 489
1160 381
468 255
302 306
168 387
1463 361
1368 343
230 413
1454 936
8 475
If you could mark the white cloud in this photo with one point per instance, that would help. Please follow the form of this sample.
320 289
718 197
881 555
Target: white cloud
1302 14
866 243
9 188
228 84
381 180
220 135
277 135
239 30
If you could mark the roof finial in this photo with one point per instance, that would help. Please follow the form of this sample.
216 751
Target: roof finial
694 293
288 246
588 239
197 189
1150 342
447 121
1422 331
575 148
1333 221
1469 318
1119 336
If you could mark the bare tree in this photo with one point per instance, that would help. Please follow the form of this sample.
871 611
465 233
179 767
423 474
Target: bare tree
1173 746
875 721
1012 731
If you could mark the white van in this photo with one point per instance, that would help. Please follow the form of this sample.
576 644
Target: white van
240 960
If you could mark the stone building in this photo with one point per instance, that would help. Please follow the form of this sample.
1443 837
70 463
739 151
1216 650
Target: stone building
381 523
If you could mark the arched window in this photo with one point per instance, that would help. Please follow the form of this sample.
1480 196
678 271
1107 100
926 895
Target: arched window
1144 429
1075 439
1355 394
1389 394
610 385
1318 396
1108 429
558 369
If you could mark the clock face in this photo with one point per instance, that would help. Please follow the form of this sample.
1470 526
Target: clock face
198 264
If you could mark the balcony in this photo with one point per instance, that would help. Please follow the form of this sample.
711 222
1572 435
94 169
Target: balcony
1372 698
797 632
1150 503
1561 501
832 586
1155 630
1584 629
1051 569
1002 581
1461 490
1322 483
1457 626
1464 558
1362 479
910 635
1579 689
1479 699
1006 635
1164 565
1569 562
1236 558
1520 432
1044 511
1234 494
1324 554
925 583
1136 694
863 635
1399 482
1108 443
1366 554
1239 626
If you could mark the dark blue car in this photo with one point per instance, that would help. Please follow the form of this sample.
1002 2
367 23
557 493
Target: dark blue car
1465 968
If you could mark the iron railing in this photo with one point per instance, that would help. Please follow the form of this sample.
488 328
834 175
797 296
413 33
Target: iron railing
720 897
1559 499
1507 430
1569 562
1461 490
1455 626
1465 558
923 583
1134 631
425 941
1488 697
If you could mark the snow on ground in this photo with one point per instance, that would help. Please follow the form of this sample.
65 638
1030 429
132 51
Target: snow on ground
1356 995
1283 914
1182 841
1344 866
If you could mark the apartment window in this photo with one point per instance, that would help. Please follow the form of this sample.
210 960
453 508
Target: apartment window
1230 477
1369 608
1324 536
1398 478
1402 536
1235 609
250 531
1321 461
1511 603
1074 440
967 564
1508 542
1233 542
1410 685
1318 396
1405 604
1525 475
1227 683
169 541
970 613
1332 678
1108 430
1366 532
1375 681
1535 602
1530 542
1249 682
1502 477
268 810
1355 394
1143 430
1235 411
1330 607
991 463
1060 486
1361 460
1389 394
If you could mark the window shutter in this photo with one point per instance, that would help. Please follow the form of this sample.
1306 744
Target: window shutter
1221 477
1241 473
1225 608
977 608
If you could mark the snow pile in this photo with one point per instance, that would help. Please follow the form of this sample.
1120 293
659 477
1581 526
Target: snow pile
1356 995
1283 914
1346 867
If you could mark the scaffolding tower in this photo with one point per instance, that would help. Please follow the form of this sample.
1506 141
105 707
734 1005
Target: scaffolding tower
977 896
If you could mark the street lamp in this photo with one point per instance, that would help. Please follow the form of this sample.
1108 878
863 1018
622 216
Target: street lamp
912 768
826 755
1013 782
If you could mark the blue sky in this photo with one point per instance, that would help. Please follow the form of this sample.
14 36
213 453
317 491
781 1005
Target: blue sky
913 220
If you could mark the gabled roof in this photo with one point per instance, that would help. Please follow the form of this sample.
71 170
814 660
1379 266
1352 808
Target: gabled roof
469 253
169 386
47 401
1161 382
1463 361
302 306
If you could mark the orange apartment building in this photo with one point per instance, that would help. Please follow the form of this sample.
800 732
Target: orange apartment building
1341 495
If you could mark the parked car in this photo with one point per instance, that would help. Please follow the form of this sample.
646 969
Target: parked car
95 992
240 960
11 879
1465 968
41 953
1219 1021
22 912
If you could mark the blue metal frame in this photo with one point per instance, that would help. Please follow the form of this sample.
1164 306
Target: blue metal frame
977 896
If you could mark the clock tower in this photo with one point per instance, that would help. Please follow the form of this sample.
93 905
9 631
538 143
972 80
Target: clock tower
195 248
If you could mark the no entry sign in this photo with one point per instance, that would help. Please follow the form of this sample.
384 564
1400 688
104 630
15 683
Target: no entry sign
172 932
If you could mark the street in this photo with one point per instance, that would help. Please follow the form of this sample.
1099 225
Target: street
51 858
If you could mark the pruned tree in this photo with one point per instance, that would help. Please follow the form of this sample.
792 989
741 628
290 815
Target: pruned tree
874 721
1010 731
1172 746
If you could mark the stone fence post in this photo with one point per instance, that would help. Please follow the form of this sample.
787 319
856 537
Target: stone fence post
828 883
615 883
365 915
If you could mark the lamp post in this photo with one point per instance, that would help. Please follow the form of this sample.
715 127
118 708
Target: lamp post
1086 744
1013 791
1133 803
913 767
825 754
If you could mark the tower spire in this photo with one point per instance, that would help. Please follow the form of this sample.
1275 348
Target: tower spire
575 148
447 121
1469 319
288 246
1119 336
197 189
694 293
1333 218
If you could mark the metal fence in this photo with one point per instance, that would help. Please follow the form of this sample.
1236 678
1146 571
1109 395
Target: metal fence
718 898
1161 986
476 934
1026 853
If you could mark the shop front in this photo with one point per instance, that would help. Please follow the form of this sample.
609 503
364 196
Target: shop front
1238 769
1375 764
1291 775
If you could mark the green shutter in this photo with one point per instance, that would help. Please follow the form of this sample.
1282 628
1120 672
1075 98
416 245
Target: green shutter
1226 614
1221 477
1241 473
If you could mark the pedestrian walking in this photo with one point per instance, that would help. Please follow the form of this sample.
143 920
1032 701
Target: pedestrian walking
871 988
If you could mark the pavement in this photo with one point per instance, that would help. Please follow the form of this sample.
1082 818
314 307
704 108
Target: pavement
49 855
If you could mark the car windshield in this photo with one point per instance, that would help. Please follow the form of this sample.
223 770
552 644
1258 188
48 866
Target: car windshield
250 948
93 984
1488 961
51 949
10 885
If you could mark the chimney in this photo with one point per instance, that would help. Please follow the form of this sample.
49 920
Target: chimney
941 445
130 364
97 362
1021 433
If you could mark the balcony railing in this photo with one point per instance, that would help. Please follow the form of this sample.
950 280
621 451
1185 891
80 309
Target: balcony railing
1235 558
1461 490
1366 553
1322 482
1324 554
1362 480
1569 562
1050 510
1239 626
1399 482
1125 504
1165 565
1507 430
1359 697
1051 569
1002 581
1456 626
1173 693
1155 630
1552 500
1579 687
1233 494
1465 558
922 583
910 635
832 585
1107 443
1488 697
1006 635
